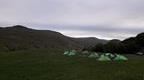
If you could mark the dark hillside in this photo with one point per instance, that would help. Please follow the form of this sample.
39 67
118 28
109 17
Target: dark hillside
90 41
132 45
19 37
16 38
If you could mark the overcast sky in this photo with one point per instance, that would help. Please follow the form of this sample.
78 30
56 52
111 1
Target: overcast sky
107 19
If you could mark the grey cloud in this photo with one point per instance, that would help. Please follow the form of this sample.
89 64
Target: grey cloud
104 32
96 28
88 16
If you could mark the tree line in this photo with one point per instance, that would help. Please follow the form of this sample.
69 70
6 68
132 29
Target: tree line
130 45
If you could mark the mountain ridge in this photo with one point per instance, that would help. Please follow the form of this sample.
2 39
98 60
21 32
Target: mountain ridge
19 37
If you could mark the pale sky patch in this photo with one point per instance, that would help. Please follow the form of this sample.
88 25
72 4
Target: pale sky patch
108 19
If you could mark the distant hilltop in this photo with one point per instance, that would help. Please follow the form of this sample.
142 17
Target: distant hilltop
19 37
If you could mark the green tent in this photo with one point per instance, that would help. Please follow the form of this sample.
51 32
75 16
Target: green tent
85 52
66 52
72 53
93 55
112 57
104 57
120 58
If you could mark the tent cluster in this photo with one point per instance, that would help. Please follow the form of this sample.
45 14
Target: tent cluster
70 53
112 57
99 57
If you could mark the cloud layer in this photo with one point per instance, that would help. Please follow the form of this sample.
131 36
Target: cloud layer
101 18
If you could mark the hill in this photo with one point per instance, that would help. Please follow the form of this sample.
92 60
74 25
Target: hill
90 41
132 45
19 37
135 44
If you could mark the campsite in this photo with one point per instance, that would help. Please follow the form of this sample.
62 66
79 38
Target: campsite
98 56
53 65
49 55
71 39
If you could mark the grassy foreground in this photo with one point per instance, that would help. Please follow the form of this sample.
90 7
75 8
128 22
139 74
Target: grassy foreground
52 65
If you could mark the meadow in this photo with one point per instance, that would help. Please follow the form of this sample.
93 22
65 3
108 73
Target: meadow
53 65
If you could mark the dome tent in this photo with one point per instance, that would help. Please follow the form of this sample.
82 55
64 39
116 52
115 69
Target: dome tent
99 57
70 53
112 57
140 53
93 55
66 52
85 52
109 54
120 58
104 57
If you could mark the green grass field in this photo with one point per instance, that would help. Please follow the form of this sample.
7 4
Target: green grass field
52 65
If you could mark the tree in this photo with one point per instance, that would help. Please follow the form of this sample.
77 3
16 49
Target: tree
114 46
99 47
131 45
140 39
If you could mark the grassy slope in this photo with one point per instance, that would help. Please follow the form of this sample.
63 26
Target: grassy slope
52 65
22 38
